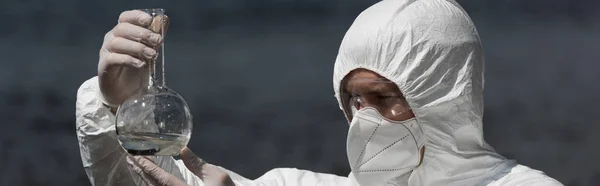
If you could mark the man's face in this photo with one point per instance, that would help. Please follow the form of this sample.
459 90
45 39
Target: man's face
378 92
363 88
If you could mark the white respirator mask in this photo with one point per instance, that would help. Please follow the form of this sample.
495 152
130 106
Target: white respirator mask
381 151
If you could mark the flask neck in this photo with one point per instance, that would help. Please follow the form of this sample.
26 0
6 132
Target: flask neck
157 69
157 65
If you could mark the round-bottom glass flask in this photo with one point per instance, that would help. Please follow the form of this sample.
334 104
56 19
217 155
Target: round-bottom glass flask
157 121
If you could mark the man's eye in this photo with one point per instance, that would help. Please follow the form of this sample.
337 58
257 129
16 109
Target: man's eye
355 99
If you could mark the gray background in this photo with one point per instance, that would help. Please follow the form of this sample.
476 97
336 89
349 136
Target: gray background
257 76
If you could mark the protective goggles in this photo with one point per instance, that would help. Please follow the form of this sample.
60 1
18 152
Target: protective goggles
379 93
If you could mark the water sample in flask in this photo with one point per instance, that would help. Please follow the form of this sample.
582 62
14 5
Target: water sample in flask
156 121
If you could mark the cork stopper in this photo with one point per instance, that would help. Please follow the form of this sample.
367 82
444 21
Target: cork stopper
158 23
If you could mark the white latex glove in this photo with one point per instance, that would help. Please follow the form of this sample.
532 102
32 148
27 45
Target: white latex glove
122 68
152 174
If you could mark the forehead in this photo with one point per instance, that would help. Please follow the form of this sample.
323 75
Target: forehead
365 80
362 73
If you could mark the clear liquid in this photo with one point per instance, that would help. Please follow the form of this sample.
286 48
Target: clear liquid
152 144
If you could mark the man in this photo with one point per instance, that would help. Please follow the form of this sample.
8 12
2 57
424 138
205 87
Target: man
408 77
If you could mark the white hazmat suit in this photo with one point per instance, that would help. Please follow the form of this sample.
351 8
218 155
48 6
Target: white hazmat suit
429 48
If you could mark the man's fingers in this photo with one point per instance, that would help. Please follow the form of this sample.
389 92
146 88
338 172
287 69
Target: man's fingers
144 177
123 59
136 17
193 162
125 46
213 175
136 33
210 174
158 175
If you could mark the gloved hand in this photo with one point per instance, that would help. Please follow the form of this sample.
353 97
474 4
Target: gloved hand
152 174
121 69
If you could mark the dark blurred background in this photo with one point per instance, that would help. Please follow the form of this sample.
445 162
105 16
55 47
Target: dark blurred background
258 77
